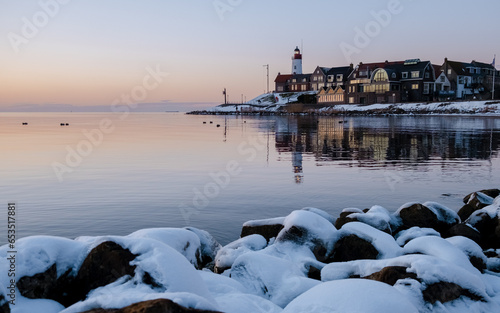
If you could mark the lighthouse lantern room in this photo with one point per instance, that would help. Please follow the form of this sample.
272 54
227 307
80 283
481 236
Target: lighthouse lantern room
297 62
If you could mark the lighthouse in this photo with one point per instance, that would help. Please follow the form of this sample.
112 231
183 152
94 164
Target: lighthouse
297 62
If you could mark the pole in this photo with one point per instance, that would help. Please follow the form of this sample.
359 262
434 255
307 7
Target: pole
267 66
494 74
225 96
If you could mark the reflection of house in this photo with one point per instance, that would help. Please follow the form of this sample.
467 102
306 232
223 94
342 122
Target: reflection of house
391 82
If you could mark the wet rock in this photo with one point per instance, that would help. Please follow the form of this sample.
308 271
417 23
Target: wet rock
377 217
351 247
391 274
4 305
268 228
446 291
427 215
151 306
464 230
208 248
103 265
347 216
476 201
488 227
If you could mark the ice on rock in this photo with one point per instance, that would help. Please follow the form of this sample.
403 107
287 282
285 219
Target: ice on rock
182 240
351 296
270 277
321 213
468 247
377 217
245 303
404 236
443 213
228 254
267 221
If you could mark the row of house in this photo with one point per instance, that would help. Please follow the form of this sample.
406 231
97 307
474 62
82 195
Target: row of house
411 80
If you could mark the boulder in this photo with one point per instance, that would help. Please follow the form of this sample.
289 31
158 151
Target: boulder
351 248
268 228
151 306
377 217
488 226
427 215
446 291
464 230
228 254
476 201
347 216
4 305
391 274
103 265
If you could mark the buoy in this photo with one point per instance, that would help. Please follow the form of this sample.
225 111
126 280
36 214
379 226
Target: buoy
24 123
67 124
211 122
204 122
62 124
218 125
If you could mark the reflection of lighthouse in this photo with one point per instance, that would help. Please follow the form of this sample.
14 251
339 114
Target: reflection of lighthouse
297 62
297 160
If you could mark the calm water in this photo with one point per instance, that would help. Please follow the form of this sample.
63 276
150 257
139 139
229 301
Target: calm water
171 170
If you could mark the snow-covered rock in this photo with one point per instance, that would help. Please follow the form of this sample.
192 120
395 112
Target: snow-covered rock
228 254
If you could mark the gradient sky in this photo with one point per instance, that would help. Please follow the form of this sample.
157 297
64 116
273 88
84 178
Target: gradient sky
90 53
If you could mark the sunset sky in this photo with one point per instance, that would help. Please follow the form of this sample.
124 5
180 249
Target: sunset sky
67 54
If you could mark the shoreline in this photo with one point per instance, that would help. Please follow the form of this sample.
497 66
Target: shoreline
423 257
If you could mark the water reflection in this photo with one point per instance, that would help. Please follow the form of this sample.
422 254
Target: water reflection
386 142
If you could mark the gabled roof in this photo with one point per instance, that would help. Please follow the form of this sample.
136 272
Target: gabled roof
323 70
460 68
282 78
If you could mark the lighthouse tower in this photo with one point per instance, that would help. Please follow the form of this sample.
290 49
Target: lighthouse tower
297 62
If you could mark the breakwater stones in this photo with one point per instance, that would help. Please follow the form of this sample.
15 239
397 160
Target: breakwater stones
423 257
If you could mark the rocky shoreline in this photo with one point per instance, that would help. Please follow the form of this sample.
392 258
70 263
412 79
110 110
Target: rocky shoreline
422 258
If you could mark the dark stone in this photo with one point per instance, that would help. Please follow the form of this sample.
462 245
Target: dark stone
266 231
391 274
103 265
466 211
418 215
445 292
478 263
493 193
489 228
464 230
314 273
350 248
4 308
343 219
151 306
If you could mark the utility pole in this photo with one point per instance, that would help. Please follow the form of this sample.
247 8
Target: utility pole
267 66
494 74
225 98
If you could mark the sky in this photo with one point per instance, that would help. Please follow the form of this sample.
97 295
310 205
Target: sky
179 55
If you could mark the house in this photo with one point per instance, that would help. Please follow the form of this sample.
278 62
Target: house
282 82
324 77
391 82
331 95
318 78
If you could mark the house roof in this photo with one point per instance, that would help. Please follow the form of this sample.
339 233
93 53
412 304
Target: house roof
282 78
460 68
482 65
345 70
396 67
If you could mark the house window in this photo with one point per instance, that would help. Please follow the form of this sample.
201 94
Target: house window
351 100
405 75
443 79
427 88
461 80
304 87
330 78
381 76
304 80
294 80
395 87
340 77
414 86
449 71
415 74
315 78
427 75
393 76
361 89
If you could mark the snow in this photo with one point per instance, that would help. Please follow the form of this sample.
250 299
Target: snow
272 277
406 235
351 296
377 217
229 253
383 242
265 222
